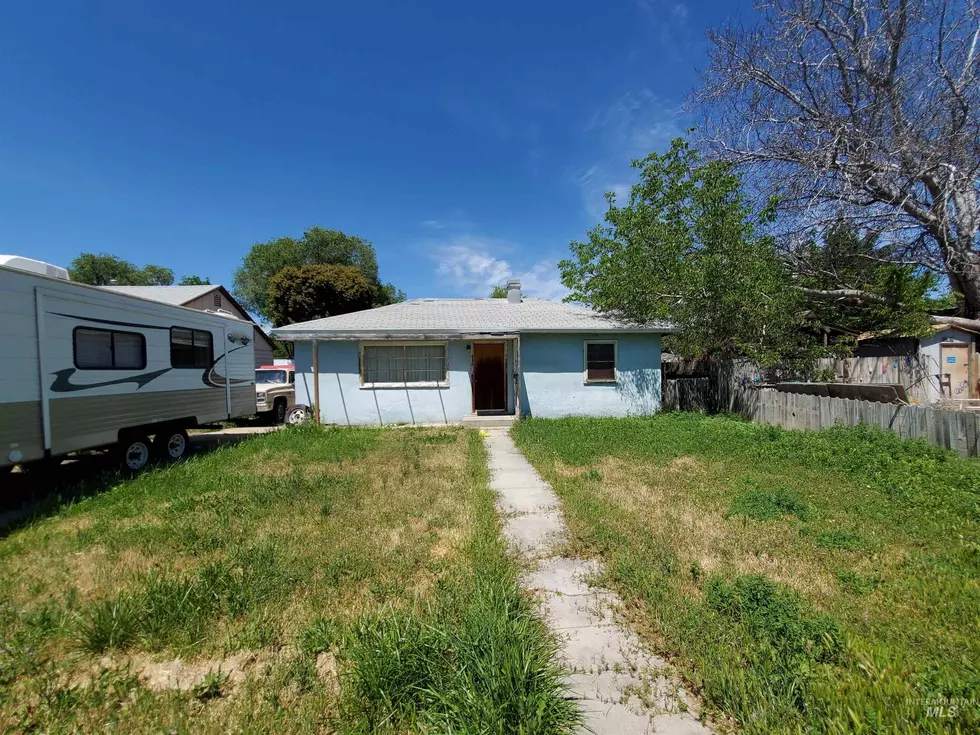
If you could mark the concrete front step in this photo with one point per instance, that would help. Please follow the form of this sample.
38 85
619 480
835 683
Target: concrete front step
489 422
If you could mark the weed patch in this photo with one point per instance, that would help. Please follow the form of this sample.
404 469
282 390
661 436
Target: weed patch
841 540
767 506
776 616
857 584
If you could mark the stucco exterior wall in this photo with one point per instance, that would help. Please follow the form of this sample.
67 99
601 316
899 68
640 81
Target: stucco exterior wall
552 382
344 401
553 376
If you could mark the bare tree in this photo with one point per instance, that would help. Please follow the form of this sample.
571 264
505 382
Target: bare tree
861 109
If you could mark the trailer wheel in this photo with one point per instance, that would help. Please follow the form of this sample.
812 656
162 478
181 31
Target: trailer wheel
134 453
171 445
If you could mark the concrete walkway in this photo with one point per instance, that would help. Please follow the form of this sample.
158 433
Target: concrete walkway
622 689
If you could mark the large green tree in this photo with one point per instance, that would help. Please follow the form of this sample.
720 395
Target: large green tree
192 280
690 248
317 246
317 291
106 270
892 297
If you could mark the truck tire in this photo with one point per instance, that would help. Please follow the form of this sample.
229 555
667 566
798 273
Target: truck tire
170 445
279 411
134 452
298 414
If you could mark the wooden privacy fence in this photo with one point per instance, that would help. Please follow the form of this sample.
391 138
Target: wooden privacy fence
956 430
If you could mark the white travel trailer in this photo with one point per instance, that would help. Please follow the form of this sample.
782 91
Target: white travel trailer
84 367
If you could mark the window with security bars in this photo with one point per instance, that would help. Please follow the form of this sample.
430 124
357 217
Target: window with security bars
400 364
600 362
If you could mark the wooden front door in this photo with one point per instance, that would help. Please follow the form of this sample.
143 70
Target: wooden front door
489 376
956 368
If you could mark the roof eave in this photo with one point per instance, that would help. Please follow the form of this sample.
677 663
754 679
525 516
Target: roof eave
305 335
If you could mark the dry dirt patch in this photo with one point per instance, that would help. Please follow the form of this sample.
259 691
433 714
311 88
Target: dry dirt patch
180 675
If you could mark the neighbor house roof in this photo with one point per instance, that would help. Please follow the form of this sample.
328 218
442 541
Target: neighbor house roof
176 295
449 317
181 295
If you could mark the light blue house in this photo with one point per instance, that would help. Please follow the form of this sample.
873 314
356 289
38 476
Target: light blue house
444 360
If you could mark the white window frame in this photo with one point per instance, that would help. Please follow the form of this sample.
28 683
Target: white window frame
585 361
405 384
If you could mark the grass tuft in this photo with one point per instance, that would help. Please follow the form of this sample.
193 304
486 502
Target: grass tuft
109 623
211 687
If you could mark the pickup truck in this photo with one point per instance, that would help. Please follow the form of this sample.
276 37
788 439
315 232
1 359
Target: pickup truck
275 391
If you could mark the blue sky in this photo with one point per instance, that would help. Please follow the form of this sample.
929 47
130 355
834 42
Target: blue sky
468 142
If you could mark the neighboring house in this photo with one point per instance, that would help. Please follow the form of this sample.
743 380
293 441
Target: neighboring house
950 355
941 367
204 298
442 360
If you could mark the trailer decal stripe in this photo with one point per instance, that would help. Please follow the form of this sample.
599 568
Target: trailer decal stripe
109 321
62 382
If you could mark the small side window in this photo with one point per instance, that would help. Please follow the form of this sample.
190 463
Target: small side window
104 349
292 378
191 348
600 362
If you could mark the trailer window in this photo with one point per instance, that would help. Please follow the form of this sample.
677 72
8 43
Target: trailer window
190 348
103 349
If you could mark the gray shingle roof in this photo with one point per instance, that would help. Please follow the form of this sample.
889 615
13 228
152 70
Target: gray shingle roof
176 295
463 316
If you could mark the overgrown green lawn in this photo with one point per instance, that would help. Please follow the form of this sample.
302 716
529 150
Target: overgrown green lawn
803 581
308 580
